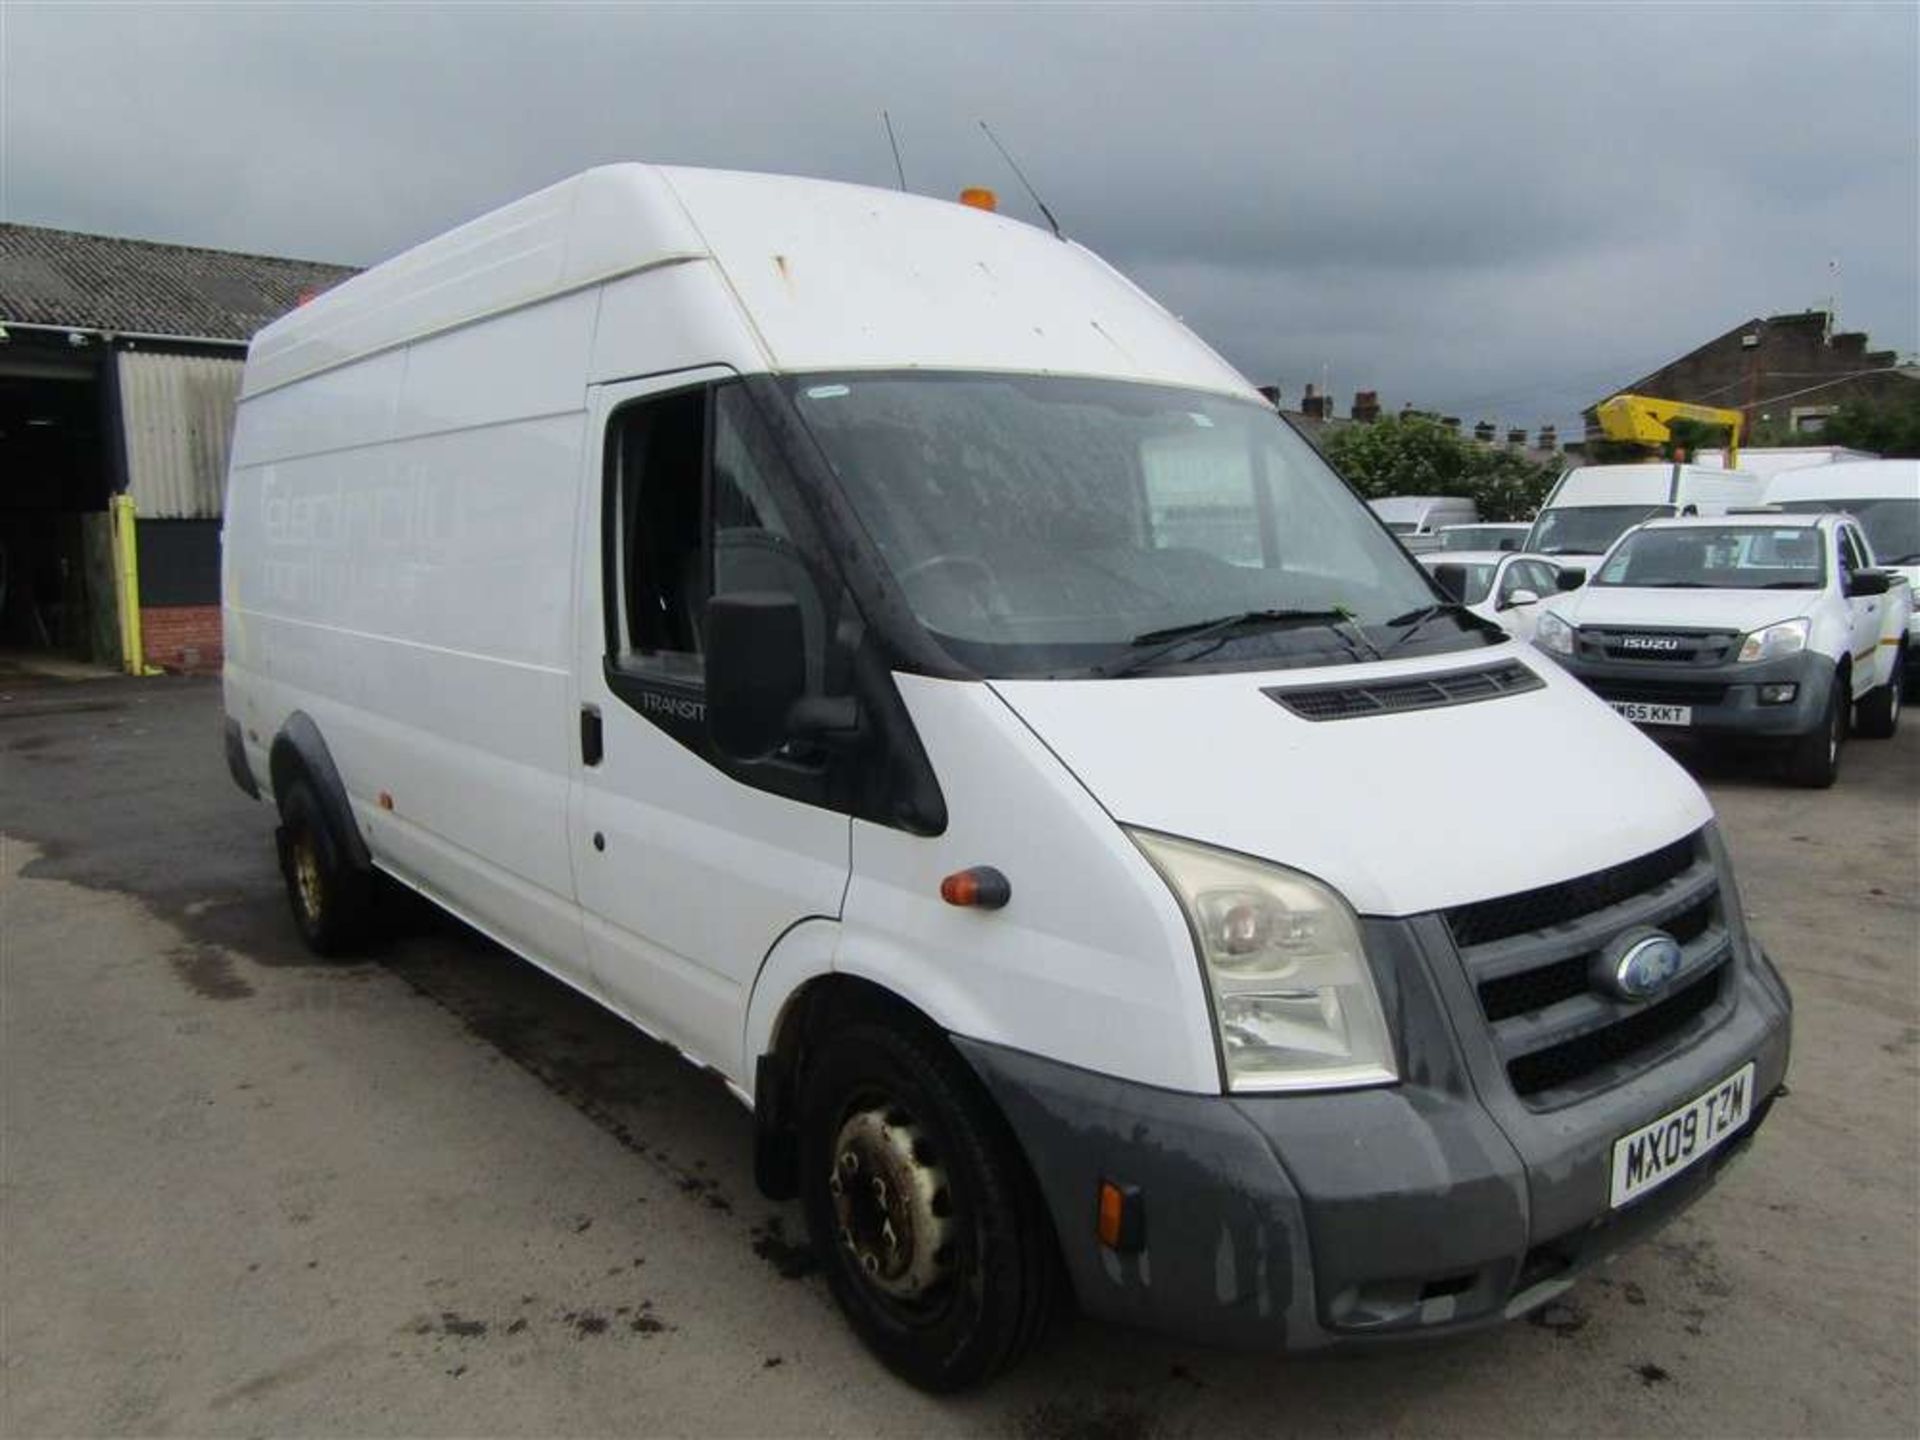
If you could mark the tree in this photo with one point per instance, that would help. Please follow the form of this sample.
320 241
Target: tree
1407 455
1889 427
1412 455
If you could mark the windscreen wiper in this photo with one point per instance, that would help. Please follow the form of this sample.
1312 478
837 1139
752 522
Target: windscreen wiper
1417 620
1220 629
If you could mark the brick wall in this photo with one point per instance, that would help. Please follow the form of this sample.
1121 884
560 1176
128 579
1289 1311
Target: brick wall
1792 363
182 638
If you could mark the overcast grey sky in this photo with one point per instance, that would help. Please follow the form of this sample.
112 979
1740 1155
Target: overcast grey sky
1502 211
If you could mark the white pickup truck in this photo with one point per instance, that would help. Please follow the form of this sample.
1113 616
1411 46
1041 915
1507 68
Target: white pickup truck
1778 626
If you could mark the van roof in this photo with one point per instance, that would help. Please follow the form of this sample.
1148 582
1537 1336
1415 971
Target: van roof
1856 480
828 276
1601 485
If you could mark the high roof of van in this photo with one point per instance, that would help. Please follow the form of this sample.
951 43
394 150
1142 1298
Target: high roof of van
828 277
1648 482
1855 480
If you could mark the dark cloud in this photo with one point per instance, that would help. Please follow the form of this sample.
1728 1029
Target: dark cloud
1493 210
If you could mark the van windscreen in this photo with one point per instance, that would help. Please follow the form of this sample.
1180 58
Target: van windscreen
1587 529
1046 525
1892 523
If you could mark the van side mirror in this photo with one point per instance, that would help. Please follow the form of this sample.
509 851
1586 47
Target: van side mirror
1868 582
756 671
756 665
1571 577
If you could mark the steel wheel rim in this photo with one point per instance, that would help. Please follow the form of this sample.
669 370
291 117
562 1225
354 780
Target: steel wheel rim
892 1204
306 877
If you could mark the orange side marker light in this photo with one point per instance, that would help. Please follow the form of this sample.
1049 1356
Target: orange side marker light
1121 1223
980 886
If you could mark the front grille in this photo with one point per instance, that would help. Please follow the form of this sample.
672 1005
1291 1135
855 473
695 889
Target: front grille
1556 904
1532 960
1566 1064
1658 647
1529 990
1660 692
1393 697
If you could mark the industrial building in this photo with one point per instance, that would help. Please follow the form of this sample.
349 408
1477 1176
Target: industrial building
1788 372
120 364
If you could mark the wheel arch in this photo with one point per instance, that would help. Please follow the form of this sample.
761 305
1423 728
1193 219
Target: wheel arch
807 983
300 753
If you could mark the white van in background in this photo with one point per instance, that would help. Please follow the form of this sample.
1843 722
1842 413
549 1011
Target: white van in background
1767 461
1884 496
869 645
1418 519
1592 506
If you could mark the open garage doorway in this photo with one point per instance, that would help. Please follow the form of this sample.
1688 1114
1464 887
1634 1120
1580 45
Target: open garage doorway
56 570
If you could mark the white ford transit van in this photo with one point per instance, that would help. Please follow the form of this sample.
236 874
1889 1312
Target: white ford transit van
874 648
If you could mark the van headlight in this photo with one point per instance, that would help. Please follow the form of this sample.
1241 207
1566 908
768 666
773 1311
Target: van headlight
1789 637
1554 634
1293 998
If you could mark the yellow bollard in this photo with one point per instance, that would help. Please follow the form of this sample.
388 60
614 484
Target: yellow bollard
126 585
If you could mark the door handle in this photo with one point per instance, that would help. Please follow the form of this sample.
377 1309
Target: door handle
592 741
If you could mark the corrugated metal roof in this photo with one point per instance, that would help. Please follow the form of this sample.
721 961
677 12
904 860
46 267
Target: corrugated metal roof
101 282
176 412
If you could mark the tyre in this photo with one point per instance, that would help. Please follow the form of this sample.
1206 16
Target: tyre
1814 760
1879 714
928 1224
332 902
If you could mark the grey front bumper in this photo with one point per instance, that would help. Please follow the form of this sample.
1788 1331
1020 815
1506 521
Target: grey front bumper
1735 708
1305 1221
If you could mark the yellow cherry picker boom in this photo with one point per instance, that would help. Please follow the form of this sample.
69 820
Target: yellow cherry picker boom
1645 420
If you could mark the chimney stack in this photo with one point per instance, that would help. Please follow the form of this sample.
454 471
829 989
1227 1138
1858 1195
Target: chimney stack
1484 432
1451 422
1314 405
1517 436
1549 438
1366 406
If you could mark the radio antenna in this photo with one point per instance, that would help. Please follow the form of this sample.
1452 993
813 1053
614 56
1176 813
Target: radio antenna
1015 166
898 168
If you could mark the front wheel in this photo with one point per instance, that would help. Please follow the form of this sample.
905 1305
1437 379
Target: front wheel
930 1226
1814 760
1880 711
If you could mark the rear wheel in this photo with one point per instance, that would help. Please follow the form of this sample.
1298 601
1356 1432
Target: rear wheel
1814 760
332 902
1879 714
930 1227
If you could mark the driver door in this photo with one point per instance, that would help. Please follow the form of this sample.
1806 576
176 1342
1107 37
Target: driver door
688 868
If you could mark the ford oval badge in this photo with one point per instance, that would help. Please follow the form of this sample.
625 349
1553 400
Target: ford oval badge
1638 964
